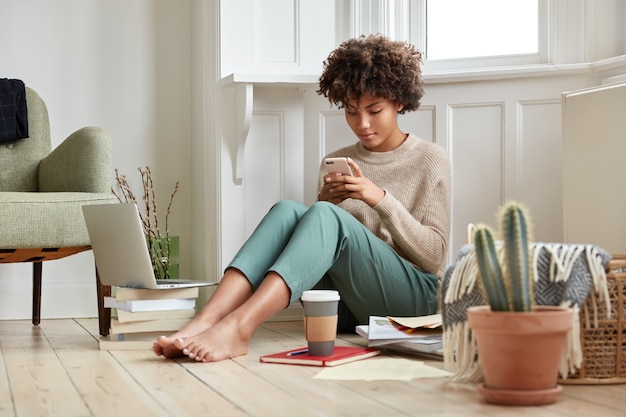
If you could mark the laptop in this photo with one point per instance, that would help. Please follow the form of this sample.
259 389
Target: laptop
120 249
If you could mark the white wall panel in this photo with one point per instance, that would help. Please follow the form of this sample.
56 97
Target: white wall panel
335 132
277 27
539 176
421 123
477 144
264 171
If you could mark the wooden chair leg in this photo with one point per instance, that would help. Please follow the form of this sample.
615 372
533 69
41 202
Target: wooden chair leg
104 314
37 266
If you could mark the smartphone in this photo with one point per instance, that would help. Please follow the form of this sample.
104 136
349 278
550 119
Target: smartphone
338 165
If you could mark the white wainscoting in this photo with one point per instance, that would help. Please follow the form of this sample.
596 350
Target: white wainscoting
503 137
477 146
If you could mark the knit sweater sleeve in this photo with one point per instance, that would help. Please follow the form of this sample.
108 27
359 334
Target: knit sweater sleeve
420 233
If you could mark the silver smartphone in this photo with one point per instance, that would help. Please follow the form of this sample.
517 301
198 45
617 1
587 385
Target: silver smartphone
340 165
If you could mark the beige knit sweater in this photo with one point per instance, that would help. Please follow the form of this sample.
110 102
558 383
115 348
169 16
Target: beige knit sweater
414 215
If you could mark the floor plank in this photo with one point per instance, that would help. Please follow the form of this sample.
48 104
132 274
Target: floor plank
39 383
253 394
106 387
327 396
175 389
57 369
6 402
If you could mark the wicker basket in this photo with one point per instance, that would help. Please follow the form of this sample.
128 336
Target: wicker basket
604 346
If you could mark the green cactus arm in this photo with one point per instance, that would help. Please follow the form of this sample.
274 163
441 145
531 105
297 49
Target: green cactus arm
489 268
515 231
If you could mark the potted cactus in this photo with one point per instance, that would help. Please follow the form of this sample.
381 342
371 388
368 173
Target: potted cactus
519 344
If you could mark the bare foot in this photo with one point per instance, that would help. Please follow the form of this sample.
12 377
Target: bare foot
166 345
223 341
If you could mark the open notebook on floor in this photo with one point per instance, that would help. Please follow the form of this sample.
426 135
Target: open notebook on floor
120 249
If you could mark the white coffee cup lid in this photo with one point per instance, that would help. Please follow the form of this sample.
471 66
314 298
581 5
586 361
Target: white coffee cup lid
320 295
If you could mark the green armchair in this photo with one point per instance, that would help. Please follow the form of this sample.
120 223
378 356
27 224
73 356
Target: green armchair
42 192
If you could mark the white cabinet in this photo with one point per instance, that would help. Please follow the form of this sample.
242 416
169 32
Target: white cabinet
276 36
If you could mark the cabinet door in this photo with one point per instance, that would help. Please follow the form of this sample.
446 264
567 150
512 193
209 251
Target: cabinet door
594 167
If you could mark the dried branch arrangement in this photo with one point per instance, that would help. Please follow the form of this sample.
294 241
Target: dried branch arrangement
158 243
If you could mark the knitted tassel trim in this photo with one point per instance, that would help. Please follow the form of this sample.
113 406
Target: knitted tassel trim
459 344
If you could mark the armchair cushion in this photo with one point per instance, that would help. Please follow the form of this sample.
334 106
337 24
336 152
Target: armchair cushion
82 163
45 220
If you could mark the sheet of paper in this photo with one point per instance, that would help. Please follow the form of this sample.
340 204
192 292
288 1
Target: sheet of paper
380 368
432 321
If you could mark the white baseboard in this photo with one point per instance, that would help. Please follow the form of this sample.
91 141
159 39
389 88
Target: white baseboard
68 289
57 300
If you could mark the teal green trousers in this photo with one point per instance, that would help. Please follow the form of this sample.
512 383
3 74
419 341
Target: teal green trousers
324 246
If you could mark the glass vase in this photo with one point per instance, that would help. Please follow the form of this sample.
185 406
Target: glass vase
165 256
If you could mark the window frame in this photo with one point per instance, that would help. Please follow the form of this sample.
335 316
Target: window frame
488 19
547 37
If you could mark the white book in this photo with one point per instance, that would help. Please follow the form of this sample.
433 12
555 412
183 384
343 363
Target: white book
147 326
382 333
128 316
150 305
126 293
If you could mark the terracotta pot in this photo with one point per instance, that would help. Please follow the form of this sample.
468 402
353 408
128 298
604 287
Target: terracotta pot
520 352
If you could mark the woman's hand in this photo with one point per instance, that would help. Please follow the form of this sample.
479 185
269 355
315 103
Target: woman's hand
338 187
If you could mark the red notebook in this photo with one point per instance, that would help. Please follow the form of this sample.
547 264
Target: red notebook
342 354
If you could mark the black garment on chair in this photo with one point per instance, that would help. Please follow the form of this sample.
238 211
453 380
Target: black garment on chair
13 110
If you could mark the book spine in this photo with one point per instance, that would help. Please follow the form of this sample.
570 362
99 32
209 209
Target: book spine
150 305
124 293
128 316
147 326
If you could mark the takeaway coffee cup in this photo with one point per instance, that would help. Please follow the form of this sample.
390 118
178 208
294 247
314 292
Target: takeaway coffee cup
320 320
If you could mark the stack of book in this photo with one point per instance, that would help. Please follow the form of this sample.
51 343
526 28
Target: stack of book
410 334
141 315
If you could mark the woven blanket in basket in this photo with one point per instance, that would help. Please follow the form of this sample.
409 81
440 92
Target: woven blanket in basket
564 275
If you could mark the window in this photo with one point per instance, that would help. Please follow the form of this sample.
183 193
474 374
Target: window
460 35
481 28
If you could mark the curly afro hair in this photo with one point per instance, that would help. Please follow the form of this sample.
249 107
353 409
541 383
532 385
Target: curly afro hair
375 66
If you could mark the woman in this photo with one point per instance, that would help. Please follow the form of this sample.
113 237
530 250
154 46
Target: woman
378 236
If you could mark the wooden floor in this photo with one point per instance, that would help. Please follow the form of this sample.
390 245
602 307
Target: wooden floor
57 369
